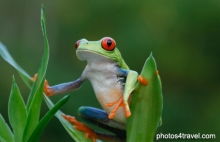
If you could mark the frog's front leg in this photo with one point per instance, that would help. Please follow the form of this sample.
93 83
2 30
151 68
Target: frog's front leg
131 80
100 118
61 88
65 87
129 87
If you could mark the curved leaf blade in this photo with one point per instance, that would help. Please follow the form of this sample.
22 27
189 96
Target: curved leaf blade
2 140
35 136
17 112
33 113
35 97
5 132
146 106
7 57
44 62
75 134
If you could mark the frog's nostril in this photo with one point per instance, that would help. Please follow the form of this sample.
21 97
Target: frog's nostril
77 44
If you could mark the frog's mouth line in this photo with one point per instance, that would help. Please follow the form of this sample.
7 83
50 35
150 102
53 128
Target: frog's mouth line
89 51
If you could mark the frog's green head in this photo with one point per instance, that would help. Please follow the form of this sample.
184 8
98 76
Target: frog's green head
91 50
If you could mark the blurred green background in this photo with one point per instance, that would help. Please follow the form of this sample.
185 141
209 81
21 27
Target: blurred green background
183 35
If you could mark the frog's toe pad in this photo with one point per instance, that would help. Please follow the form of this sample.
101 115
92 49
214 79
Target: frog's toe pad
34 78
127 110
89 133
69 118
47 90
142 80
157 72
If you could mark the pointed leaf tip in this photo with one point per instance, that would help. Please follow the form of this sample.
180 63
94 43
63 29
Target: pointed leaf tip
150 56
43 18
42 9
16 111
5 132
67 97
151 53
147 98
13 78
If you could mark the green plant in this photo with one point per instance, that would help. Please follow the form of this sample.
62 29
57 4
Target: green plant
25 119
146 103
20 118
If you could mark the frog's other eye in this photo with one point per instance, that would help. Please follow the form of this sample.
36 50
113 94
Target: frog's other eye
108 44
77 44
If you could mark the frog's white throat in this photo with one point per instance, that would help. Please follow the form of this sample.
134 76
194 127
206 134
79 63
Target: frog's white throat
92 57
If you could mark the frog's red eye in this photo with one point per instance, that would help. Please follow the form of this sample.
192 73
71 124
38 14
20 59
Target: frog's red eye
77 44
108 44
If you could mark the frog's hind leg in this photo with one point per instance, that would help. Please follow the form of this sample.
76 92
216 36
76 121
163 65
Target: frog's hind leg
100 118
89 133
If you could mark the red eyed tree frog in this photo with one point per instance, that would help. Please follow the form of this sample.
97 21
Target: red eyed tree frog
112 81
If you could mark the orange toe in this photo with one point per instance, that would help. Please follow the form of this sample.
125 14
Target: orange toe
113 103
69 118
142 80
157 72
127 111
89 133
34 78
47 90
119 103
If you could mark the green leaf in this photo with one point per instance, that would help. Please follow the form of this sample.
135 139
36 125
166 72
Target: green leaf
146 106
17 112
75 134
35 97
7 57
34 113
44 62
35 136
5 132
2 140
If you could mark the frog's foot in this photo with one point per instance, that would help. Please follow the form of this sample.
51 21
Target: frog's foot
119 103
157 72
47 90
142 80
34 78
89 133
